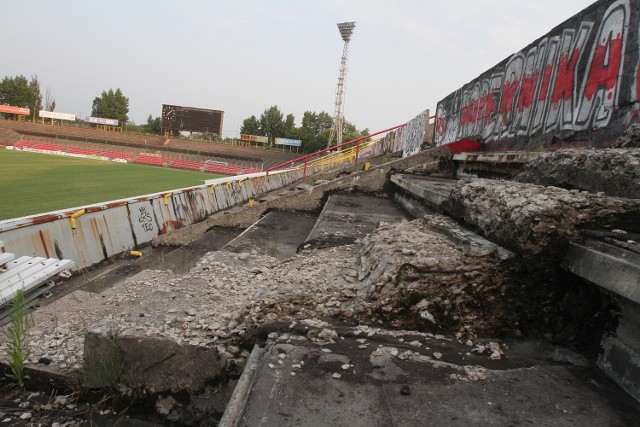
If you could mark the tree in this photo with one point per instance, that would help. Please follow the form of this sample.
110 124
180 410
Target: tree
111 105
153 125
271 123
35 97
20 92
250 126
49 101
290 130
314 130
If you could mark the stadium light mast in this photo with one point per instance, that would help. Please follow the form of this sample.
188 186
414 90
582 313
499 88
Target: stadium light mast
346 30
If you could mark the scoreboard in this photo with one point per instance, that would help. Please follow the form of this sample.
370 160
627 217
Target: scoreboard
176 118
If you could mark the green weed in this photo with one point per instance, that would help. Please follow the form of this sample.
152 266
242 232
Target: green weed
16 334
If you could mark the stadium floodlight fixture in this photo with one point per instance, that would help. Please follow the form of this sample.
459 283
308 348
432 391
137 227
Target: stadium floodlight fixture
346 30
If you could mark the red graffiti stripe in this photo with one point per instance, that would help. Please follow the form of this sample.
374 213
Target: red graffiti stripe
527 92
604 71
509 92
563 88
546 81
472 112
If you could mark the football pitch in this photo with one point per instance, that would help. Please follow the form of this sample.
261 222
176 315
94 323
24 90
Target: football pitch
35 183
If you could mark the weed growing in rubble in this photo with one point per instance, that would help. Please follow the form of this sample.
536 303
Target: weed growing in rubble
273 248
16 334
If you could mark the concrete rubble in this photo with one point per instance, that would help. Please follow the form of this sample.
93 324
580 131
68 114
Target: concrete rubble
615 172
166 333
534 220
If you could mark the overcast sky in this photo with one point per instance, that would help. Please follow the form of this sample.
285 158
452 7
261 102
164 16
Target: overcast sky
244 56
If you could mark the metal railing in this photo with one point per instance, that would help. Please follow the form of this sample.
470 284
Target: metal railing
340 156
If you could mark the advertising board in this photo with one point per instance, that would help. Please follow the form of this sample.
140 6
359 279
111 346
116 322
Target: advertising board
102 121
56 115
289 142
14 110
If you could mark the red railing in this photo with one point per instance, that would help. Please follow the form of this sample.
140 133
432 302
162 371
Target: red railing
306 158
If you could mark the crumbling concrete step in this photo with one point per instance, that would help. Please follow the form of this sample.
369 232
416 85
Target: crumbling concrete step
470 242
608 266
434 192
178 260
319 374
490 165
617 270
347 217
277 234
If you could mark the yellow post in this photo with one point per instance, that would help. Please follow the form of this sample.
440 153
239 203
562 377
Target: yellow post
367 166
76 214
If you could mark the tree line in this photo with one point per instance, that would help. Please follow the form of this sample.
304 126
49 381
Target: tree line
19 91
314 129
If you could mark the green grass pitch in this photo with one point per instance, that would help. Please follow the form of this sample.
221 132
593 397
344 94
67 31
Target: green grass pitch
35 183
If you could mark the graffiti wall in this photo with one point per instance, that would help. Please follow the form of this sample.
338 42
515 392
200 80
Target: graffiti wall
578 85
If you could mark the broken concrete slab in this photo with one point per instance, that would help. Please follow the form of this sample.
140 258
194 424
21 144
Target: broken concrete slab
616 172
622 364
277 234
375 377
155 364
435 192
610 267
347 217
534 220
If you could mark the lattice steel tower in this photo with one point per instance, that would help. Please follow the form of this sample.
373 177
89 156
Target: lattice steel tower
346 30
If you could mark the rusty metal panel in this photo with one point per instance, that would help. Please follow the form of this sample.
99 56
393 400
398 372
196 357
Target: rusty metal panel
221 198
202 194
108 229
101 235
49 239
243 192
213 201
189 207
144 223
97 236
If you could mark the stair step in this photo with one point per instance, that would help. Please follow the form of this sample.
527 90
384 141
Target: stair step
347 217
277 234
434 192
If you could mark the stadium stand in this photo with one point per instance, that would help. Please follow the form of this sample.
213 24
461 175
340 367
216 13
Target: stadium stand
128 145
117 155
150 160
186 164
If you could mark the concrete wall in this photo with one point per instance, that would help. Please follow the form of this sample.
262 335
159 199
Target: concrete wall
111 228
578 85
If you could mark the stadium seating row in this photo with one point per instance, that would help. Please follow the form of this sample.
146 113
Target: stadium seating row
205 166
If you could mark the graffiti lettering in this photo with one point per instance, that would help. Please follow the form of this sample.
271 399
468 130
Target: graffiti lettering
570 80
145 219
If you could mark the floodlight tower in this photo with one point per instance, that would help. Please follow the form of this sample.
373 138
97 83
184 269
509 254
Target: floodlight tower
346 30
